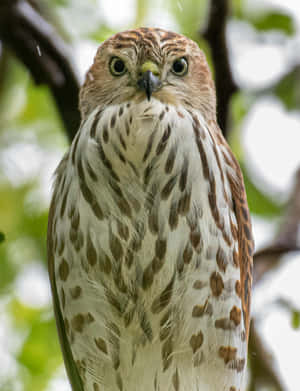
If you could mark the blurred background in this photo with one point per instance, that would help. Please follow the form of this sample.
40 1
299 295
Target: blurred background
44 45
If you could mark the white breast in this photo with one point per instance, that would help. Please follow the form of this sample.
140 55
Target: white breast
154 305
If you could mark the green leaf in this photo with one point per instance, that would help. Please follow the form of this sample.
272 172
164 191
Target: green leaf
296 319
61 2
101 34
258 202
274 21
25 229
40 354
237 8
288 89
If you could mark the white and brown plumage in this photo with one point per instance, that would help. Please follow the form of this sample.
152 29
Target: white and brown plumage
149 237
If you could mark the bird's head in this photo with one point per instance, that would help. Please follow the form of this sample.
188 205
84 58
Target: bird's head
149 63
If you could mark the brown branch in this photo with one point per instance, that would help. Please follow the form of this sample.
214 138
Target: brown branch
35 43
262 366
215 35
265 260
287 238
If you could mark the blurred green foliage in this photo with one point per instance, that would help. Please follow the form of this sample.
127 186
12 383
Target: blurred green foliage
296 319
288 89
40 352
28 115
274 21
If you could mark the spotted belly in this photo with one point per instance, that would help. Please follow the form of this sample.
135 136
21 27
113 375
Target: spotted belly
146 255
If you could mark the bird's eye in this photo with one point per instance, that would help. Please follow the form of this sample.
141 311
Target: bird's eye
180 66
117 66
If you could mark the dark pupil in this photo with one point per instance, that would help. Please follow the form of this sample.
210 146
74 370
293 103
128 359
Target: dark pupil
119 66
178 66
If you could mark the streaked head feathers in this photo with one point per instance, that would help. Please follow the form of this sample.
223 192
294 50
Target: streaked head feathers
194 88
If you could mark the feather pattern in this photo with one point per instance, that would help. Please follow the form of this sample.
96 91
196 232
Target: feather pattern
149 240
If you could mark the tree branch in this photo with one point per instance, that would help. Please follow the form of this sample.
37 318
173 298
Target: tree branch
35 42
265 260
261 363
215 35
287 238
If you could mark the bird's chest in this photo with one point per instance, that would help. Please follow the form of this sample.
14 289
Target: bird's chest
151 269
157 179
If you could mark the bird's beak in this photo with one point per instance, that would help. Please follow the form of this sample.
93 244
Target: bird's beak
149 80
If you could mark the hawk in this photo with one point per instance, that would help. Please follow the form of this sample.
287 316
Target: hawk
149 236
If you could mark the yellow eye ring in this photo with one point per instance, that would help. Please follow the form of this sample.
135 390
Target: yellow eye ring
180 66
117 66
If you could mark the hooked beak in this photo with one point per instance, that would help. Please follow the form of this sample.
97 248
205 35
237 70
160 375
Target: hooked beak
149 82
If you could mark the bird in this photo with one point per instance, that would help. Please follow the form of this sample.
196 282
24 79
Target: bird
149 234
